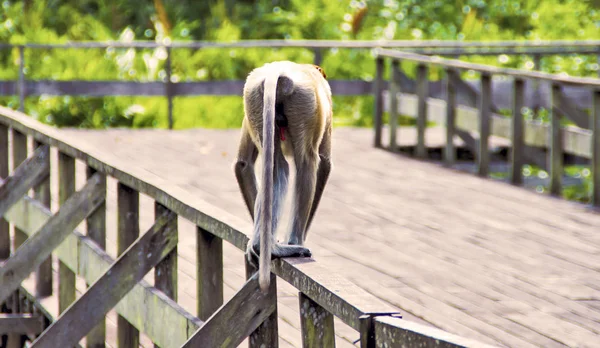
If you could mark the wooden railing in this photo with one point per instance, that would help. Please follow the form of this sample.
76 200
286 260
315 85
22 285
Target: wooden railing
41 234
526 137
24 87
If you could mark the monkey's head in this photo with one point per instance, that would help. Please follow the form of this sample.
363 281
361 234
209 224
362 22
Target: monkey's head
321 71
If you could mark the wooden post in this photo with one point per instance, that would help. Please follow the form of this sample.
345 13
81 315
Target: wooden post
537 65
4 226
209 273
19 149
316 323
318 56
450 151
266 335
423 94
165 272
41 192
556 146
484 124
367 332
169 88
596 148
66 187
128 230
378 101
22 87
394 89
518 142
96 230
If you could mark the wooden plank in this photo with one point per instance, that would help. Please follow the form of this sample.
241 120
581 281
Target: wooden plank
115 283
518 141
396 332
4 170
556 144
393 92
158 89
483 158
450 150
128 230
422 95
237 318
26 324
43 275
57 228
209 273
96 230
573 112
596 150
144 306
165 272
26 176
267 333
577 141
488 69
19 153
316 324
378 102
66 188
336 294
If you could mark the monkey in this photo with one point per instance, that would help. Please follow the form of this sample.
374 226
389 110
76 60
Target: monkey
293 101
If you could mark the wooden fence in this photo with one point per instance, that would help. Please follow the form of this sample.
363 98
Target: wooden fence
169 89
528 138
41 235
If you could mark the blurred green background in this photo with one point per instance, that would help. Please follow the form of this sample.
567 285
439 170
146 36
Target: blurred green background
55 21
59 21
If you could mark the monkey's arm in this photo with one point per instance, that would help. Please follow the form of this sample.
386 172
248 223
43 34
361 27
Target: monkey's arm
322 175
244 170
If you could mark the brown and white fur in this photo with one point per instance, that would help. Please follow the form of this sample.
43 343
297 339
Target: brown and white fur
274 94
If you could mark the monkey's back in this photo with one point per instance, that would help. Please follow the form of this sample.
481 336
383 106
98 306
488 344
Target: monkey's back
307 109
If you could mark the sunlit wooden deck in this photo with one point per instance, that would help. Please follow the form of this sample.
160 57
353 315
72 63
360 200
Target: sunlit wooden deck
475 257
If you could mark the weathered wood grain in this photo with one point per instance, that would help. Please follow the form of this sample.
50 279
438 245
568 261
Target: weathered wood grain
165 272
140 306
378 103
556 143
422 95
209 273
96 230
27 175
492 70
394 89
317 324
128 230
395 332
37 248
596 149
108 290
236 319
518 143
4 170
450 150
43 275
19 155
267 333
66 188
483 153
27 324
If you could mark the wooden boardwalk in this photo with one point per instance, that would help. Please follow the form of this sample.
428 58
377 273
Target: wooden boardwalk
471 256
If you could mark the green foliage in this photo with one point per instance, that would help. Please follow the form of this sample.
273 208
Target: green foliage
52 21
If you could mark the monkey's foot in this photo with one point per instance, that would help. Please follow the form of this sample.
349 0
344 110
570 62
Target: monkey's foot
289 250
279 251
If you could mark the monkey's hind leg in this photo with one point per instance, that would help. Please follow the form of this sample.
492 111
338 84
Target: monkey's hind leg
306 167
244 169
280 185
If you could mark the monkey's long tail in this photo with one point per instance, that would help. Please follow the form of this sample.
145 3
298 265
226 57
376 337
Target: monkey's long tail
266 218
